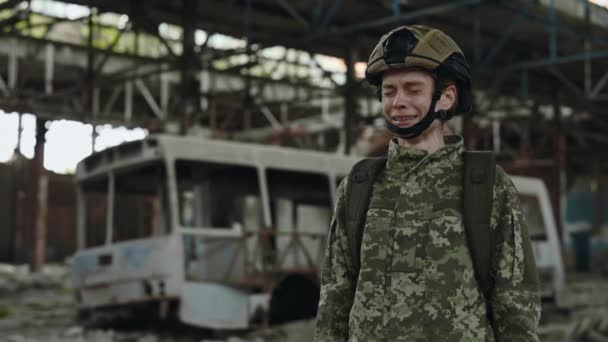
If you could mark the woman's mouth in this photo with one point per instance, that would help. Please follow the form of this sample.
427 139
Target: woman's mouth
404 120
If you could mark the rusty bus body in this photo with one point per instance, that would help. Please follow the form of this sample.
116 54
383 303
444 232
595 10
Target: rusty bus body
223 235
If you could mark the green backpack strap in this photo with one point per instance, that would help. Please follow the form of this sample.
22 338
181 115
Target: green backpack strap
479 171
358 194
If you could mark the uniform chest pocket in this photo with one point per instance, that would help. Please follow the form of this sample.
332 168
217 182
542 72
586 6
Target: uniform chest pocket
415 242
446 234
409 242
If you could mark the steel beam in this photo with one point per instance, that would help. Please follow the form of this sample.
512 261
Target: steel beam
410 15
552 30
145 92
396 8
558 60
507 34
331 12
508 5
293 13
3 87
566 81
49 68
39 194
113 97
13 67
128 101
587 67
106 55
81 218
110 208
599 86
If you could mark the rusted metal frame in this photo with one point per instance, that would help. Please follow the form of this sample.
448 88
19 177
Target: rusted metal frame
294 13
507 34
391 20
39 190
280 260
298 242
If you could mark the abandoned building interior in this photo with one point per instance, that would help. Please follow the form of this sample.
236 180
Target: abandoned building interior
178 161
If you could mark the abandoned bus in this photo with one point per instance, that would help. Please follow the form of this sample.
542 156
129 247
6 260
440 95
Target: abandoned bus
224 235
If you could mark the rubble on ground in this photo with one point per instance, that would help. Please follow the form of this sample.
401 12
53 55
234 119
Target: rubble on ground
40 307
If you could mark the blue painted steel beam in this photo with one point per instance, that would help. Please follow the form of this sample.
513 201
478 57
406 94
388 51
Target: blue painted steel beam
552 30
329 15
452 5
559 60
507 34
396 8
544 21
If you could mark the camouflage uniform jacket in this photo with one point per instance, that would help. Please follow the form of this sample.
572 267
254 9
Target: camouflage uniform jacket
416 281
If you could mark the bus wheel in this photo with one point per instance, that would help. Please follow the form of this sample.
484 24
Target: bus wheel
296 297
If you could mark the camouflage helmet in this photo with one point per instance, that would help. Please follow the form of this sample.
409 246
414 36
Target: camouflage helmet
426 48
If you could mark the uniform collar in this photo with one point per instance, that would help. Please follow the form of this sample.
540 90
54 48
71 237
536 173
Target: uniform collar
400 157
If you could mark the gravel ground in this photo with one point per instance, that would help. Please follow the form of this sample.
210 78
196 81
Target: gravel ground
40 308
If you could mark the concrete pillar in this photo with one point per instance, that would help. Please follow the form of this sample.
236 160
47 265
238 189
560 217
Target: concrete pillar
350 105
39 195
559 165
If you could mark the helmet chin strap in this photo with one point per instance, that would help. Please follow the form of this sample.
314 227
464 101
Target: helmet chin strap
418 128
